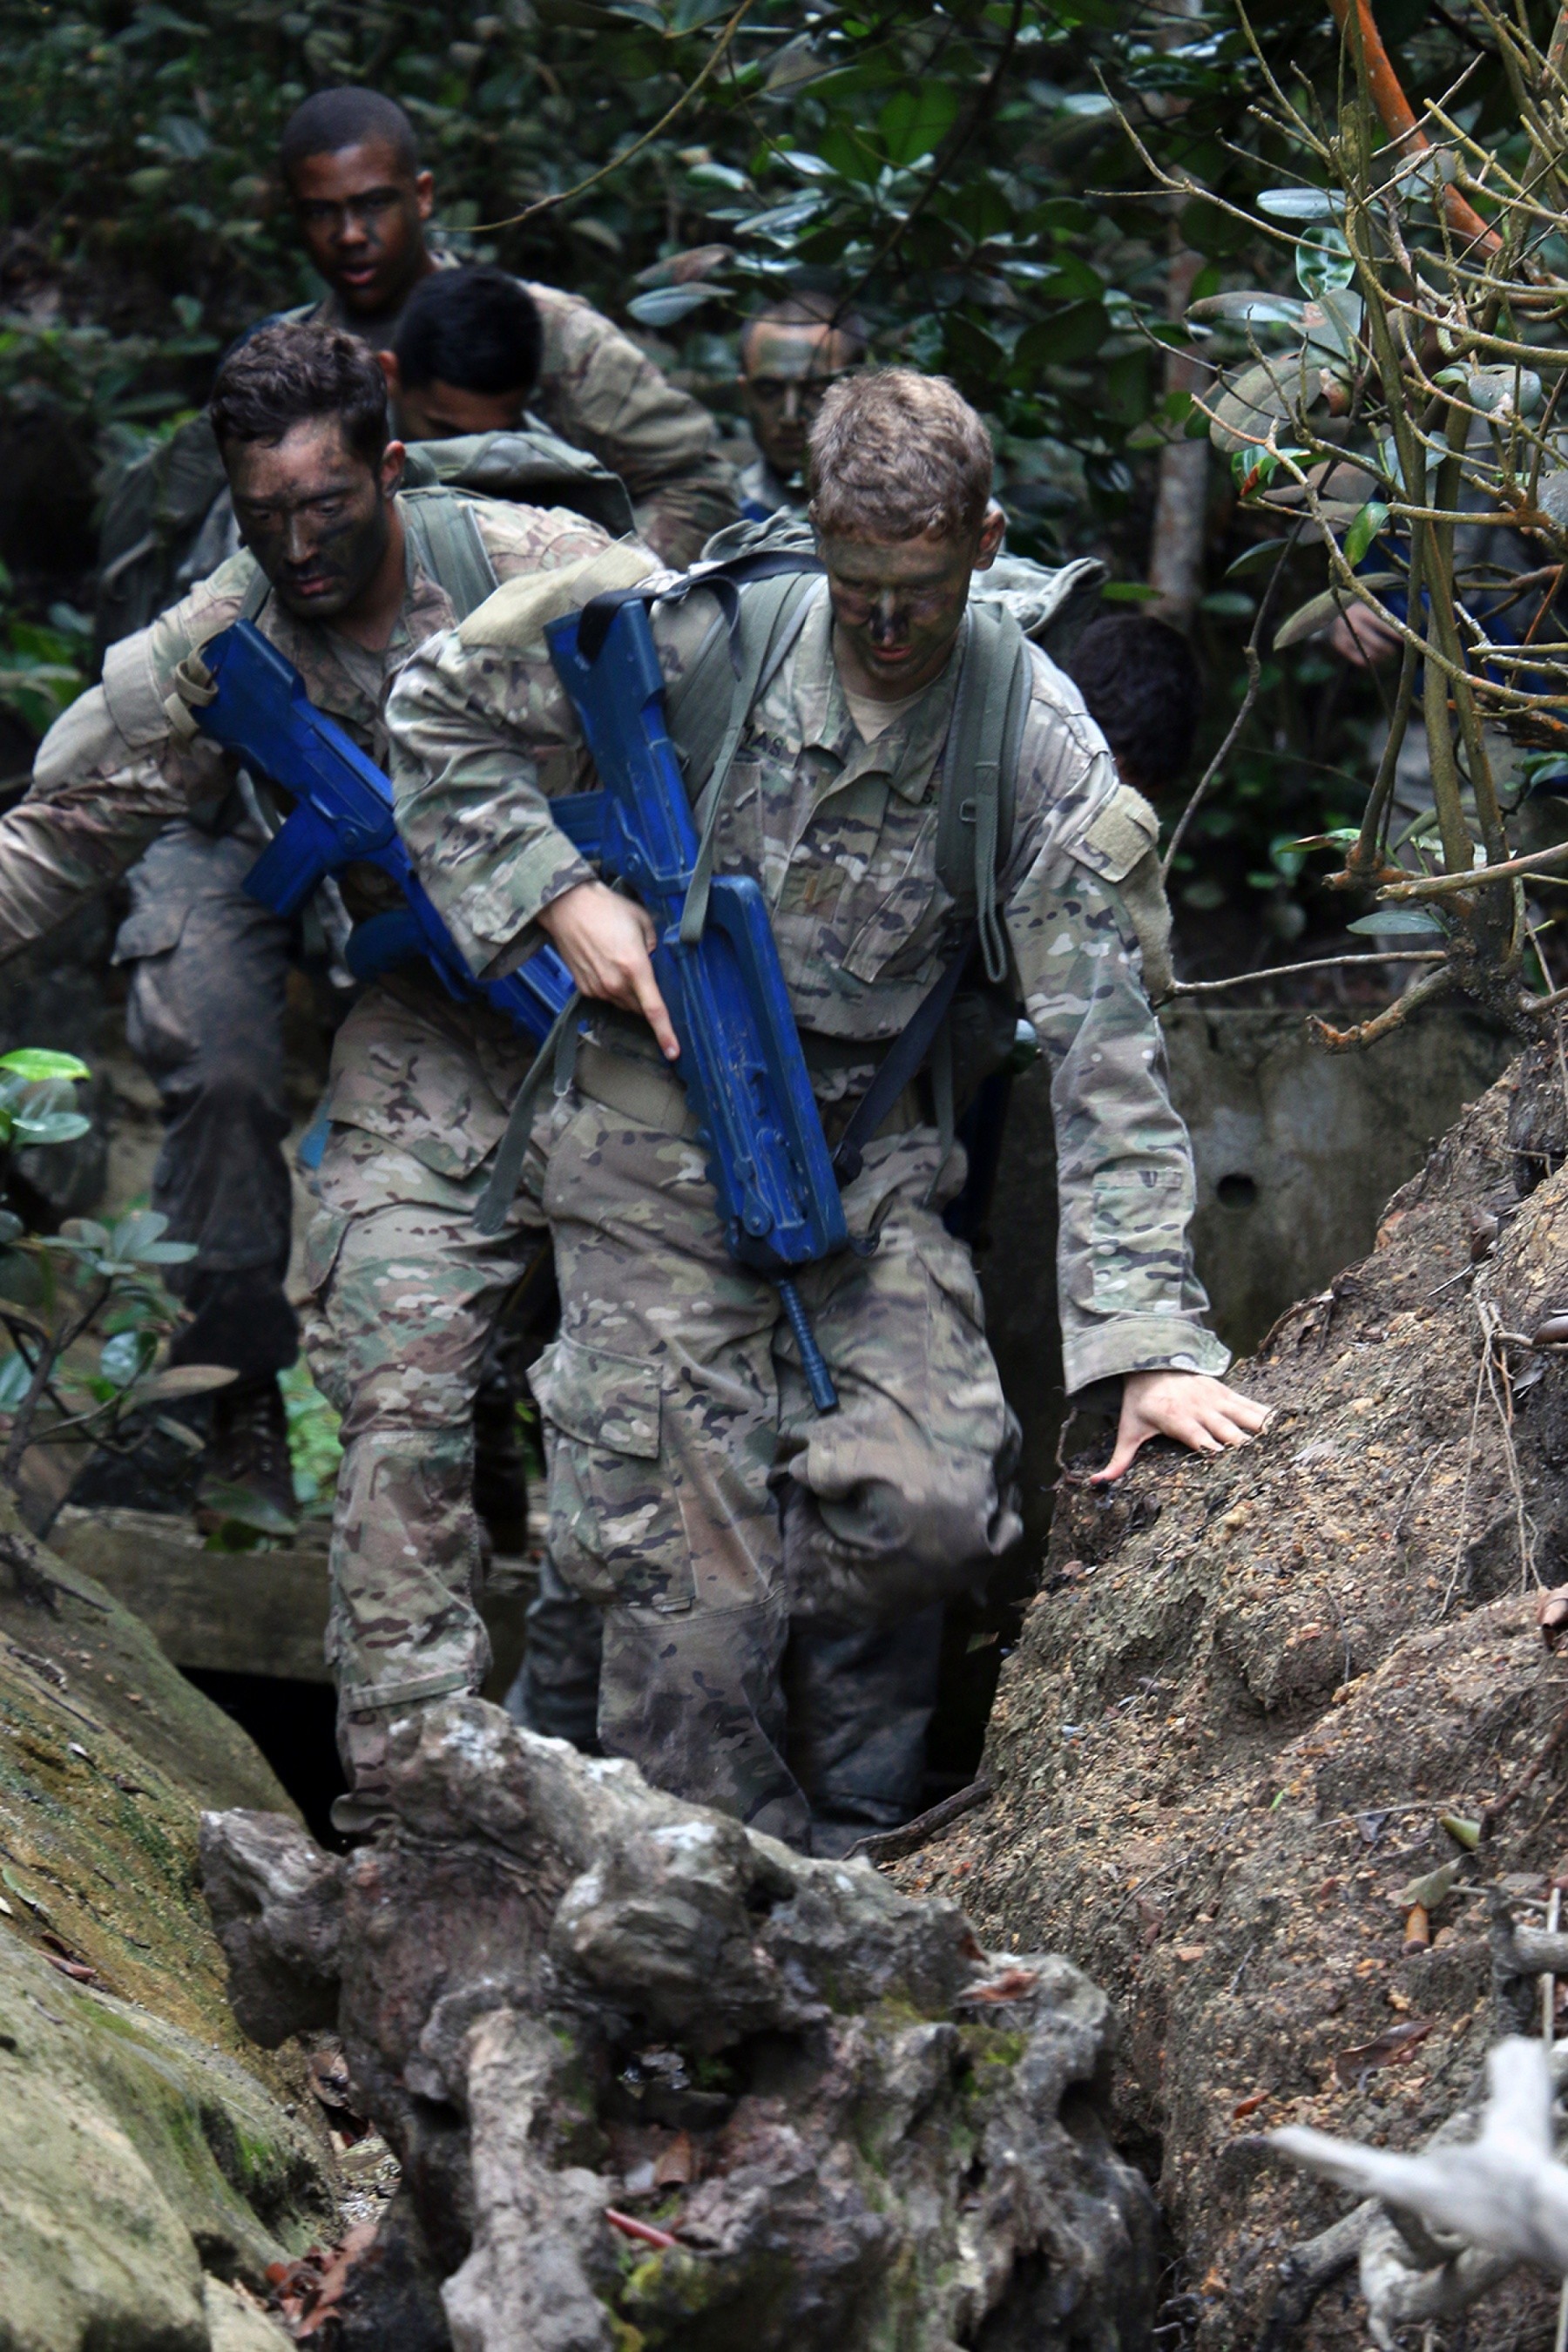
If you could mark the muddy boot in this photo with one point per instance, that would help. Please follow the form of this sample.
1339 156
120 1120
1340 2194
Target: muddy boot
248 1448
362 1744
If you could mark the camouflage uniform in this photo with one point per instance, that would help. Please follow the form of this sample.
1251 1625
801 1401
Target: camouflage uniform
694 1494
109 778
599 392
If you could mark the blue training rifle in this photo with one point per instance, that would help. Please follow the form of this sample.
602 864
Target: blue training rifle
344 816
741 1060
744 1074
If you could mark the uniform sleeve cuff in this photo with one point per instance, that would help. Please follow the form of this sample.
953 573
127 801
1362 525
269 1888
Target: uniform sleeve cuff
1142 1343
500 917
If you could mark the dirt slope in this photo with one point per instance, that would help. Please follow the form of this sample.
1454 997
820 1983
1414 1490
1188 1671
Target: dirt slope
1241 1699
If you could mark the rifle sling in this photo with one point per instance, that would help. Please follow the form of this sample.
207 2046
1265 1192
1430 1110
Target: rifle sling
901 1066
556 1055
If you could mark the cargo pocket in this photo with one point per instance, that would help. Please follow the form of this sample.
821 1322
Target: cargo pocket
151 929
615 1532
1137 1228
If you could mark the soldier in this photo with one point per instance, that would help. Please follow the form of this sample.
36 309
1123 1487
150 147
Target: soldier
351 167
346 576
694 1495
464 355
790 353
207 966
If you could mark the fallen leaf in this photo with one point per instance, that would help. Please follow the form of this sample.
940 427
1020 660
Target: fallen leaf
642 2230
677 2167
1390 2048
1249 2106
77 1968
1188 1953
1011 1985
1427 1893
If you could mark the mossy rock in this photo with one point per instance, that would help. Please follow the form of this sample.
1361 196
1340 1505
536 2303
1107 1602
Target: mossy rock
148 2150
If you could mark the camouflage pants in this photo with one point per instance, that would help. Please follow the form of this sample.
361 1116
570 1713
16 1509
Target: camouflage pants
205 1018
675 1424
694 1492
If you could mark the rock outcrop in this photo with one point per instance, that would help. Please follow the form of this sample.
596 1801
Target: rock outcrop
151 2165
1246 1694
657 2081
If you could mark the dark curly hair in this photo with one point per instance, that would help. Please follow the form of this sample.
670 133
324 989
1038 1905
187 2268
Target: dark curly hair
291 371
1142 684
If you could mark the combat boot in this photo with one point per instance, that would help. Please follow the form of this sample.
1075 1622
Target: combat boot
362 1743
248 1447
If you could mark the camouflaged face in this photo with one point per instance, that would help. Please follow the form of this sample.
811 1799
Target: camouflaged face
111 774
841 836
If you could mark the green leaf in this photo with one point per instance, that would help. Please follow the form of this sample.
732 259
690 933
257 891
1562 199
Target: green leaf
1398 923
915 121
1323 261
1302 204
665 304
15 1380
37 1065
1252 559
1365 528
128 1353
1130 591
1343 837
11 1227
50 1126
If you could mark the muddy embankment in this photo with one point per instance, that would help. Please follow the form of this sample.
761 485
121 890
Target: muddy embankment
1247 1692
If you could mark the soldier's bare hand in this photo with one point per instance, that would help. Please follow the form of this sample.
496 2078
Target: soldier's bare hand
1192 1407
607 943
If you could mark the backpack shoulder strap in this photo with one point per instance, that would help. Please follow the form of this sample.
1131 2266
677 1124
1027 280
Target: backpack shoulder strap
733 666
980 773
770 618
448 544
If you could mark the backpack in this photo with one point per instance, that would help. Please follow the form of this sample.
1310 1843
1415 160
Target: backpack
772 566
168 523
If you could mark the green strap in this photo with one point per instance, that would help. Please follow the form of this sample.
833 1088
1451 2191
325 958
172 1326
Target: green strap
770 623
449 547
979 776
557 1055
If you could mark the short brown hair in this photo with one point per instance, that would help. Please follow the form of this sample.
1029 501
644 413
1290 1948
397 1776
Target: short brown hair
895 455
291 371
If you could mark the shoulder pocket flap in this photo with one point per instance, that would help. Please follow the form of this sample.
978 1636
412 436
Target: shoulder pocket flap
599 1398
1125 830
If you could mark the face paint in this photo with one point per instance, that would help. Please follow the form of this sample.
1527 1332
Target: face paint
313 514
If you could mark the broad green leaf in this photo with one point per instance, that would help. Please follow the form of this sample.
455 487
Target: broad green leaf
50 1126
1320 611
1323 261
37 1066
15 1380
1343 837
1367 527
127 1354
914 122
1253 559
665 304
1302 204
1398 923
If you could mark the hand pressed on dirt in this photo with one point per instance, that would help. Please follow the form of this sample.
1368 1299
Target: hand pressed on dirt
606 941
1191 1407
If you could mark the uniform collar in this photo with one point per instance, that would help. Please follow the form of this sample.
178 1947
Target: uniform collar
907 753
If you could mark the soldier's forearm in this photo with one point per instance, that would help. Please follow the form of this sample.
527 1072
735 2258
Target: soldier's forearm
48 868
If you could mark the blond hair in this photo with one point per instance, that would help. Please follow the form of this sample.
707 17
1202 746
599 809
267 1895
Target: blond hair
894 455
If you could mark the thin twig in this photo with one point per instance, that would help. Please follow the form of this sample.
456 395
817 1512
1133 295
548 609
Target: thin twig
548 203
1254 681
1313 963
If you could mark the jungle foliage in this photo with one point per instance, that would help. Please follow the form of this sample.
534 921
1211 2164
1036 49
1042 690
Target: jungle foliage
1026 195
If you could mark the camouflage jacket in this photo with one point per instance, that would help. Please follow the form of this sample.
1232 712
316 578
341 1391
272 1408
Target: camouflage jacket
841 836
599 392
111 771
